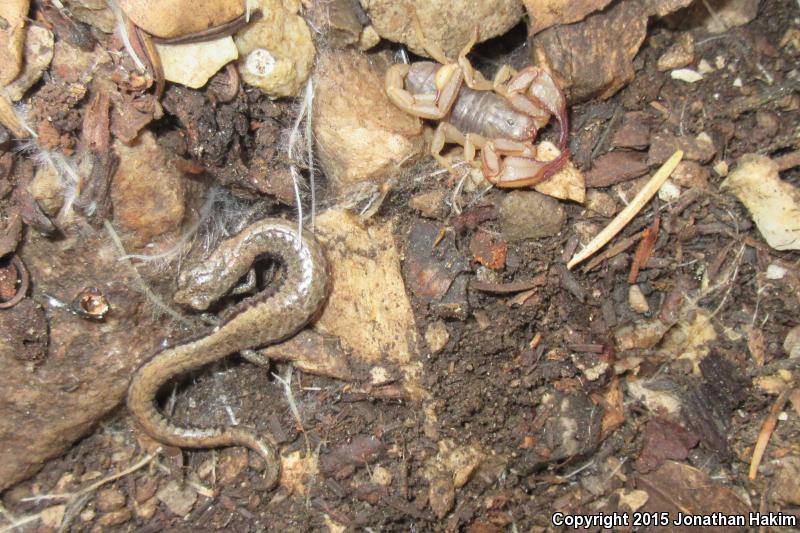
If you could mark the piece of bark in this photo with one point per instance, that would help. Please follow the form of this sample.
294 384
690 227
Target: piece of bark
593 58
546 13
616 167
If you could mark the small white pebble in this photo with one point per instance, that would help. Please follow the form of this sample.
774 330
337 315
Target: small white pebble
719 61
737 82
704 67
669 192
636 300
704 138
783 417
260 62
775 271
686 74
721 168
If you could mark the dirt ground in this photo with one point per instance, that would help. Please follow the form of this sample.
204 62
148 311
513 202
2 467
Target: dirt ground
571 411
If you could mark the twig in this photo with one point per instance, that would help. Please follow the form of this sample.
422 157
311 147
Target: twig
766 432
630 211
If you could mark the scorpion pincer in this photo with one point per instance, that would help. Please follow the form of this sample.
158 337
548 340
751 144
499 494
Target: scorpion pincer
499 117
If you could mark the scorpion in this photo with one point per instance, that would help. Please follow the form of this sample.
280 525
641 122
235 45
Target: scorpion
499 117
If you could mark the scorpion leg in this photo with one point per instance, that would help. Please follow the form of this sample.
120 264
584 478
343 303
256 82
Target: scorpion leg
472 78
447 133
448 81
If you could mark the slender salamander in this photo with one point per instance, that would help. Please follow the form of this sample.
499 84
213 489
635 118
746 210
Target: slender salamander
268 317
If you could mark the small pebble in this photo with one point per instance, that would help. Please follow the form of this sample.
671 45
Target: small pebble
636 300
690 175
109 499
430 204
437 336
704 67
530 215
669 192
382 476
775 272
686 74
114 518
737 82
678 55
719 62
721 168
601 203
791 344
179 501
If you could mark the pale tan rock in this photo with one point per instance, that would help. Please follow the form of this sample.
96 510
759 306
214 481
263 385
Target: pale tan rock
298 470
566 184
728 14
447 23
637 300
12 38
178 499
38 54
678 55
368 309
276 53
436 336
174 18
546 13
601 203
360 134
47 188
148 192
192 64
774 204
93 12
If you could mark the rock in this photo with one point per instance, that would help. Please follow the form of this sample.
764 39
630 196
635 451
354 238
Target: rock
147 191
586 231
92 12
791 344
339 22
615 167
53 516
566 184
663 145
113 518
662 8
430 204
179 500
88 365
382 476
232 463
47 189
368 290
192 64
436 336
669 192
593 58
633 133
601 203
768 122
442 494
109 499
775 272
774 204
37 57
678 55
567 425
276 52
545 13
12 38
726 14
690 175
176 18
785 485
637 300
360 134
686 74
446 23
530 215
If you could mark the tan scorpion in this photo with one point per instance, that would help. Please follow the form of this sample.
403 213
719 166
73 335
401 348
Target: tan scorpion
499 117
